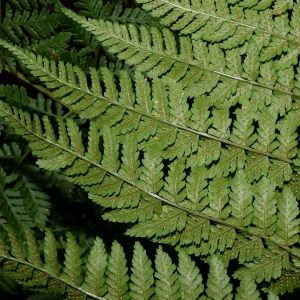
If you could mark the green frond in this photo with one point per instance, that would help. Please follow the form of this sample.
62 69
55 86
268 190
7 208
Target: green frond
219 238
51 262
117 280
218 286
173 189
144 211
245 249
142 279
190 279
185 130
287 222
158 60
264 213
94 281
218 198
36 201
13 206
241 200
286 283
196 189
169 220
247 290
72 271
268 266
167 285
37 24
18 97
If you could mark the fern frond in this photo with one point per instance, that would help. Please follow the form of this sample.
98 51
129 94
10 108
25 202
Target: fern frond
218 286
12 206
159 59
245 249
287 224
36 201
264 214
189 277
142 279
18 97
286 283
96 266
37 24
247 290
268 266
117 273
167 286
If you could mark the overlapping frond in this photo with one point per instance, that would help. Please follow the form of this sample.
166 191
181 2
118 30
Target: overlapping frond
197 144
106 275
137 190
18 97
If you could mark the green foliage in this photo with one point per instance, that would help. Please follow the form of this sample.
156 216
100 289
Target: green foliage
179 119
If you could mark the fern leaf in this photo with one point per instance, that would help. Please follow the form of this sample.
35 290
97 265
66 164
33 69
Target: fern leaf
144 211
196 230
241 200
196 188
268 266
244 249
130 167
190 279
141 286
220 238
111 150
16 249
33 255
173 189
287 232
94 281
218 286
218 197
72 271
160 104
199 119
286 283
178 104
143 97
287 128
247 290
280 172
18 97
117 274
208 152
242 132
166 283
36 201
231 159
221 123
12 207
264 205
51 262
152 174
37 24
170 220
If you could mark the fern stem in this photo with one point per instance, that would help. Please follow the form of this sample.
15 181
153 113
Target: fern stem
52 276
28 151
67 114
195 12
39 88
